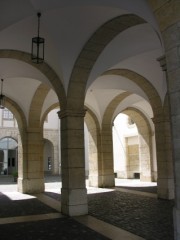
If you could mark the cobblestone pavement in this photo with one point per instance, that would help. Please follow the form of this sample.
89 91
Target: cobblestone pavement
64 228
145 216
148 217
13 208
142 189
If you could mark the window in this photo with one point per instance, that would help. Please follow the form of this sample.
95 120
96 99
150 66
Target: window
7 114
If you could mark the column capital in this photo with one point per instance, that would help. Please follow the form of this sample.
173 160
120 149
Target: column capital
166 12
162 62
71 113
158 119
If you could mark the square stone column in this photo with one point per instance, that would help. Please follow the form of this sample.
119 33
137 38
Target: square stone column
74 193
145 154
171 37
94 150
95 160
30 169
108 178
165 180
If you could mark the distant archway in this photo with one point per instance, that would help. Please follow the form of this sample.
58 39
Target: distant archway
50 125
8 155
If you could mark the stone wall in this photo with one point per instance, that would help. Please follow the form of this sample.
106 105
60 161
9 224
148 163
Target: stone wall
133 166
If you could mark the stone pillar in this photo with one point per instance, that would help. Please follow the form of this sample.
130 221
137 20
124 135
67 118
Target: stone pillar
95 161
56 162
31 174
165 179
144 155
74 193
107 156
168 16
171 38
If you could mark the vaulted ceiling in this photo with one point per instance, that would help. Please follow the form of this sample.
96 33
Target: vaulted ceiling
67 25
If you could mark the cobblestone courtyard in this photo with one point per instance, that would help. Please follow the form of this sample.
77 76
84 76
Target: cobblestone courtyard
145 216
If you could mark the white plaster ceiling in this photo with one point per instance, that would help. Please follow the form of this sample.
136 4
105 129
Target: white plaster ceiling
66 26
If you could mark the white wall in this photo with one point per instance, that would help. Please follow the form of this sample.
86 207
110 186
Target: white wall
120 131
53 120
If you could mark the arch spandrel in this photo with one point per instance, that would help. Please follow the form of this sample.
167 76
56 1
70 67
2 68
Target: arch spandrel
91 51
144 84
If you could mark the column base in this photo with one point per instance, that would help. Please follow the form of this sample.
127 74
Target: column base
95 180
31 185
74 202
145 178
108 181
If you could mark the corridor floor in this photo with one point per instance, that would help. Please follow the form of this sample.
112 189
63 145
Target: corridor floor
131 211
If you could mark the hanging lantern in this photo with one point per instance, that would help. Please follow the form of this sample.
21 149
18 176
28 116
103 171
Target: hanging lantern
37 50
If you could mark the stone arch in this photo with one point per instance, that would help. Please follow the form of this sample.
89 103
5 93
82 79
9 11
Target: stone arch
30 181
145 142
9 150
145 85
43 67
9 136
154 100
89 54
34 179
55 105
50 163
95 161
18 113
107 117
54 139
73 114
22 140
106 140
161 125
36 106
